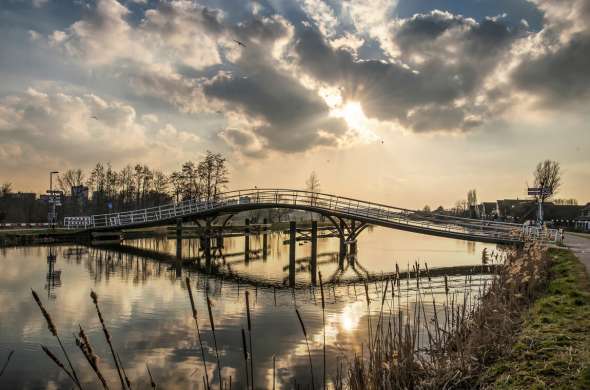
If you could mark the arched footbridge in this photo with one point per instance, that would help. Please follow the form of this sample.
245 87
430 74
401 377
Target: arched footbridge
350 216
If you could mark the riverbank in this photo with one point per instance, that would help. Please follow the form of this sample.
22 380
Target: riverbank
17 237
552 350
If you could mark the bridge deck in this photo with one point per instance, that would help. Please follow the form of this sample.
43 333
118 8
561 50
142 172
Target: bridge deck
325 204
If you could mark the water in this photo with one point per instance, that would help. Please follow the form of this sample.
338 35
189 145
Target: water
146 307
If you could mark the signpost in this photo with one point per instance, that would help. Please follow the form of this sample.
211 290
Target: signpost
53 202
540 193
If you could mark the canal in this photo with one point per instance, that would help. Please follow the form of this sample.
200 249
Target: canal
144 300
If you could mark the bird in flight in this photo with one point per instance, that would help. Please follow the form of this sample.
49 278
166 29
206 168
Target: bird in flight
94 117
239 43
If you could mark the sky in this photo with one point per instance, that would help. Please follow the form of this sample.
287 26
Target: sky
407 102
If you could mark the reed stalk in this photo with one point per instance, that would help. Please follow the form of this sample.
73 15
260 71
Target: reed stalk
194 311
153 384
84 344
245 349
250 338
107 336
209 305
324 331
308 349
58 363
52 328
7 361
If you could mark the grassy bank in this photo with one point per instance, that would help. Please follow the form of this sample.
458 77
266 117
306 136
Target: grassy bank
553 349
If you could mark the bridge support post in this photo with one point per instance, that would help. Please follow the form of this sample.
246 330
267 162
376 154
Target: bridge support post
342 243
314 252
292 242
207 246
179 248
265 241
179 238
247 241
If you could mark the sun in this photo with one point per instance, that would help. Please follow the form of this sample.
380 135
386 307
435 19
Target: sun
354 116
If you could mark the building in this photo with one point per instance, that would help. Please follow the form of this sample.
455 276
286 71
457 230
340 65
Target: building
80 193
583 220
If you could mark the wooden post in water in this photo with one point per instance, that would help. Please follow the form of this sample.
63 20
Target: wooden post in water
265 240
292 242
314 252
179 247
247 241
207 246
342 245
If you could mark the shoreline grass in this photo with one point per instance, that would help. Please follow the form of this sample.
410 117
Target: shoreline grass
552 349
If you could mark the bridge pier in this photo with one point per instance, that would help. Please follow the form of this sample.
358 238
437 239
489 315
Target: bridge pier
292 241
179 238
207 246
265 241
247 241
342 251
314 252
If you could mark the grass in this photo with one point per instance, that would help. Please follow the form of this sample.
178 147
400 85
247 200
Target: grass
552 351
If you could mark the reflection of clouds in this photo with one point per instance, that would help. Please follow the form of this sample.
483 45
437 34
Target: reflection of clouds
148 314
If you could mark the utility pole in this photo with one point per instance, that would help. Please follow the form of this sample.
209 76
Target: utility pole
51 217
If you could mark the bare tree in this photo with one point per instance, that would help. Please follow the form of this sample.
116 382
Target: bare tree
5 189
70 178
472 198
548 176
313 186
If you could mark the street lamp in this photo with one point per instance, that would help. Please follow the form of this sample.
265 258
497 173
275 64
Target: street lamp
51 218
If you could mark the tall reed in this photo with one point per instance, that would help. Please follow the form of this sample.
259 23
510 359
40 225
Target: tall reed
7 361
324 331
214 339
59 364
52 328
308 349
250 338
245 349
194 311
153 384
84 344
107 336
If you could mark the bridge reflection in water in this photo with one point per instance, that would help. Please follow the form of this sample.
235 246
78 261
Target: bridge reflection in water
295 259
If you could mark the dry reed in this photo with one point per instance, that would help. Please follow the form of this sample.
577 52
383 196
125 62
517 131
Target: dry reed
7 361
107 336
52 328
308 349
209 305
194 312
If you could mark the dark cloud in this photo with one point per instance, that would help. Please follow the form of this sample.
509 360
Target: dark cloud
561 77
293 118
395 90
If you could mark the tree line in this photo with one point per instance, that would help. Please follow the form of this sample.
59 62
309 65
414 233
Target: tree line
133 186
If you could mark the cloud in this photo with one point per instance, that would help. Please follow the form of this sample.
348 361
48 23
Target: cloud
178 32
75 128
443 62
556 73
277 109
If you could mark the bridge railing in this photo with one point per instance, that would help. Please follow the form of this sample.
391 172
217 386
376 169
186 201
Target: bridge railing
313 201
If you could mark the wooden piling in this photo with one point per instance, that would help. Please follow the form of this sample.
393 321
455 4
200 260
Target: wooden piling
292 242
314 252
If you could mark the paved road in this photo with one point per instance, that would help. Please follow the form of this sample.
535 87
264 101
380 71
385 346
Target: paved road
580 245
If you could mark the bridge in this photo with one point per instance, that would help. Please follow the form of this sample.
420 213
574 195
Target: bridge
349 216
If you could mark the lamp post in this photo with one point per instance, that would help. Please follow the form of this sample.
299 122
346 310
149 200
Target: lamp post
52 218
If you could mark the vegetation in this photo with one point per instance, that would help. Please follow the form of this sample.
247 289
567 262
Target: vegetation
462 339
109 190
553 348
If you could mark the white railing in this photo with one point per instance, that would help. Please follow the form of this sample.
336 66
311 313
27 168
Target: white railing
331 204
